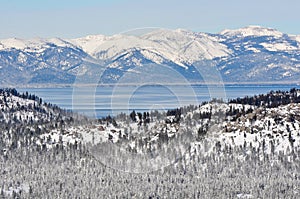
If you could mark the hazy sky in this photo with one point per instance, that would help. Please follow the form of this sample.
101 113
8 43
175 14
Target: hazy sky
76 18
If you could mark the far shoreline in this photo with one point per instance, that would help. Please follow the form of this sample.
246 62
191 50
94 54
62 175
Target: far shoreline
150 84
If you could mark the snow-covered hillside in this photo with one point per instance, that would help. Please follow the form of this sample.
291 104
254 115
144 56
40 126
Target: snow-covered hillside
16 108
248 146
272 120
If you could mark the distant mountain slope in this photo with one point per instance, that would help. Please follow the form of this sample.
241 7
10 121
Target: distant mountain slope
250 54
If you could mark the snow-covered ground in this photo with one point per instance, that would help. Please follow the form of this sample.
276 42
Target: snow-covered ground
249 151
279 135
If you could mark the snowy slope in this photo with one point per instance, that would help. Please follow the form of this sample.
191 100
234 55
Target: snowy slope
32 45
90 43
178 46
262 134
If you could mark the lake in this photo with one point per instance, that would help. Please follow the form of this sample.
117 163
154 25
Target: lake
110 100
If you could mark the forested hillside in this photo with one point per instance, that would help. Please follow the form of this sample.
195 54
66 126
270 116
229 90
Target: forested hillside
244 148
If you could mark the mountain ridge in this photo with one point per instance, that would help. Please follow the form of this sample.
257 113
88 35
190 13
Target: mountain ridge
249 54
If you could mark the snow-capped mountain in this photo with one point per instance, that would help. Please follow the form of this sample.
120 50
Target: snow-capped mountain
178 46
250 54
252 31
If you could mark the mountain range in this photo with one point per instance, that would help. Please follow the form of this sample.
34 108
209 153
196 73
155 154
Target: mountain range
245 55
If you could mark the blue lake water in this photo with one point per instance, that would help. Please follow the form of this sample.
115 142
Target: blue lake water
109 100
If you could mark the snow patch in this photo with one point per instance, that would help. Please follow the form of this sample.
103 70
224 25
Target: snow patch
278 47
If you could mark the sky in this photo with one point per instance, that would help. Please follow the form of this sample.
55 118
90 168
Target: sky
78 18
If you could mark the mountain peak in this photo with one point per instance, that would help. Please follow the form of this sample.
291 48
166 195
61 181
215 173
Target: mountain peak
165 32
89 43
35 43
252 30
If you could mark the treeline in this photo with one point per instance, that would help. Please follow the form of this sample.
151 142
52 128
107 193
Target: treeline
38 105
22 121
6 92
272 99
